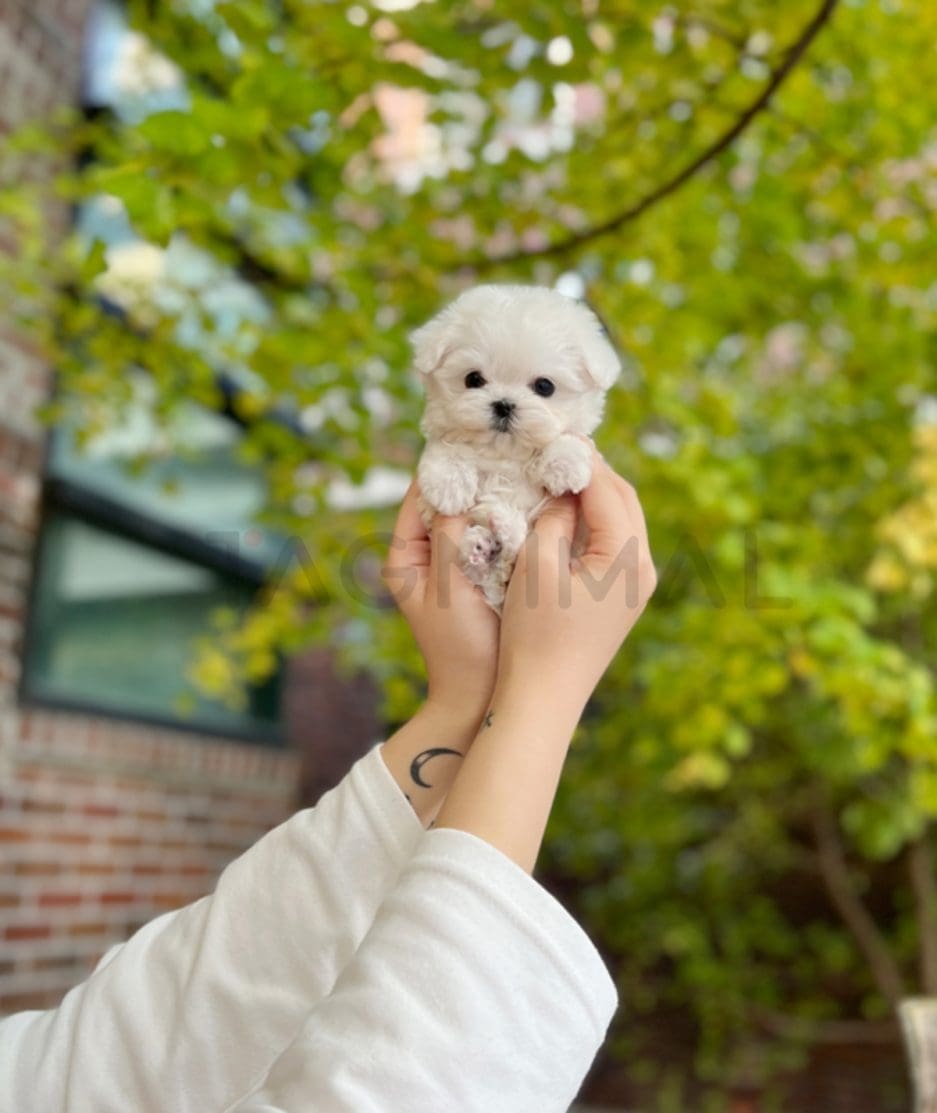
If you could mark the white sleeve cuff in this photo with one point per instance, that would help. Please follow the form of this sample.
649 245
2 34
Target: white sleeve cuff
535 913
395 822
474 990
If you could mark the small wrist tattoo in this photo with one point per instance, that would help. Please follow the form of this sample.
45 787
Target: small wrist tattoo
421 759
486 722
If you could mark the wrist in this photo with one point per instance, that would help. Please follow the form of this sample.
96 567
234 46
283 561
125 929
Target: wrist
526 691
510 774
424 755
457 716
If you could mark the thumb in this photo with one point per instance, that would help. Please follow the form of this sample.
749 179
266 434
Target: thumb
558 518
445 575
445 536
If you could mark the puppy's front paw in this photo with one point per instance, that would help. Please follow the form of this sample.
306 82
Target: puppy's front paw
566 465
449 486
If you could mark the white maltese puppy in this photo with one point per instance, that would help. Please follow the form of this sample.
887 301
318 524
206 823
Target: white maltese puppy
512 375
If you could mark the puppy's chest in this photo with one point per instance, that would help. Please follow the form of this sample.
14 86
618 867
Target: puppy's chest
509 481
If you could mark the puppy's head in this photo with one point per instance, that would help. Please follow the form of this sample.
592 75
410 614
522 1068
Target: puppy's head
513 366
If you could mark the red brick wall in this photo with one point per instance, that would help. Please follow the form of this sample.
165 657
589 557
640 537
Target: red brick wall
103 824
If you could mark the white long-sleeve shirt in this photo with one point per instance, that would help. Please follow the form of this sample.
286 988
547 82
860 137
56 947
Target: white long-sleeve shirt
348 962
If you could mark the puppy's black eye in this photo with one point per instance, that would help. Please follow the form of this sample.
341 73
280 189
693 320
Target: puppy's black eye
543 387
474 379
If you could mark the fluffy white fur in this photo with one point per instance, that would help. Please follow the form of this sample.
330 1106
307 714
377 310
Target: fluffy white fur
501 471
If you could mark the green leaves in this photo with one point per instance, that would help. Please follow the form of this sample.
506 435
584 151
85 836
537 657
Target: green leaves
178 134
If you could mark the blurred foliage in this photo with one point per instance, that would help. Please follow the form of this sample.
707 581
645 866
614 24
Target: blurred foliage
748 193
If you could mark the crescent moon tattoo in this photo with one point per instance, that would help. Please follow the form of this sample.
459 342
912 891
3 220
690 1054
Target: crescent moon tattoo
421 759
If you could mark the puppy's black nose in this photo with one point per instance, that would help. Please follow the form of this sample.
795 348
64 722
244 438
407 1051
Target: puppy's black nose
503 409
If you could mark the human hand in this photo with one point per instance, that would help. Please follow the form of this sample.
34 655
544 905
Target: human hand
455 629
564 618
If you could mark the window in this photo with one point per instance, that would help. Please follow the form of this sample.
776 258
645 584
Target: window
111 621
131 567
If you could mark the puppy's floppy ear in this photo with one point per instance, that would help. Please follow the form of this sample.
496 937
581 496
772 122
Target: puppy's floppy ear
431 343
599 358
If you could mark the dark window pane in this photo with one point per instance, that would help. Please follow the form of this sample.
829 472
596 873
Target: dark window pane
112 629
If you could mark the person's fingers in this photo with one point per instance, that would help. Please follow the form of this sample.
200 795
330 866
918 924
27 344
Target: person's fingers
629 496
409 550
558 520
634 507
618 537
549 542
445 536
632 503
445 575
411 537
607 510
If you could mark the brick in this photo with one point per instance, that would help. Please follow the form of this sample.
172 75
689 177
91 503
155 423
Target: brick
37 869
120 896
70 838
89 928
89 869
57 899
46 807
12 604
196 871
143 869
172 900
23 1002
97 809
158 815
27 931
72 963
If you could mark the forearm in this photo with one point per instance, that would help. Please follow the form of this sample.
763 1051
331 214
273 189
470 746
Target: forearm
425 755
508 780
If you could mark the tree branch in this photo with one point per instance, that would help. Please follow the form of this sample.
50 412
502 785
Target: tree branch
834 870
921 871
779 75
